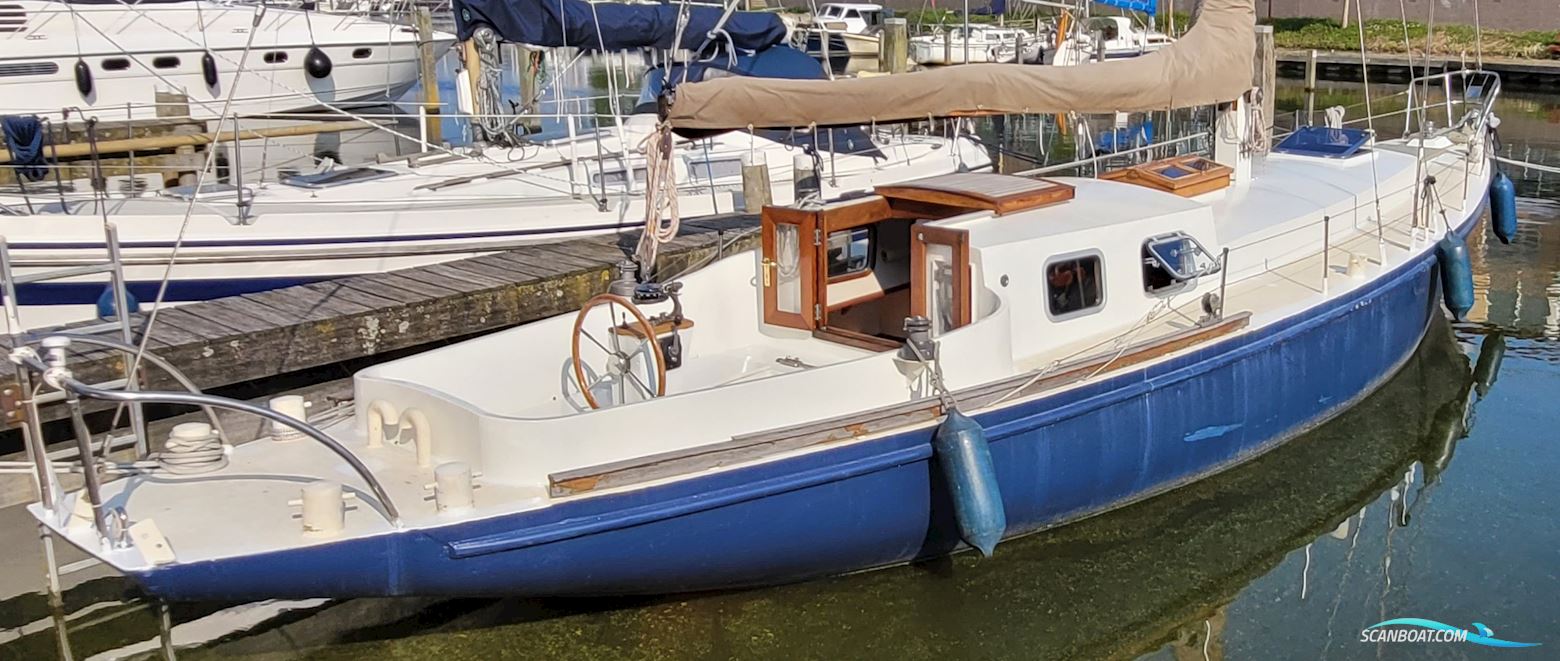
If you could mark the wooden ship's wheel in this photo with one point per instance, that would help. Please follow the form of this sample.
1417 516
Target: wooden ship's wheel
629 337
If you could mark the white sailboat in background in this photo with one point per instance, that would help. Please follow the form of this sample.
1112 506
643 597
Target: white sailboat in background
112 59
260 230
1119 37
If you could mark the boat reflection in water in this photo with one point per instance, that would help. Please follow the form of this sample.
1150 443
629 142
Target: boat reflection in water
1156 574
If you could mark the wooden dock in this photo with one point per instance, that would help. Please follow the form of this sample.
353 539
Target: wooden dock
1540 75
257 336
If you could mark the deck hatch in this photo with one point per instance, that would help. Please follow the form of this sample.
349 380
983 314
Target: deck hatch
1323 142
999 193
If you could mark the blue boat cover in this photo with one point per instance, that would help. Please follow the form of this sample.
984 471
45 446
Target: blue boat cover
1146 6
614 27
24 139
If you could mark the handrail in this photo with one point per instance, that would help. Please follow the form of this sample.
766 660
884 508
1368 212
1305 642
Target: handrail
1102 157
63 380
162 363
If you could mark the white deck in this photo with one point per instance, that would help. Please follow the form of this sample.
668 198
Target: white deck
502 402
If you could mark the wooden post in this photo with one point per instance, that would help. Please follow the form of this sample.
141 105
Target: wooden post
427 71
1310 88
1263 78
892 48
755 183
471 62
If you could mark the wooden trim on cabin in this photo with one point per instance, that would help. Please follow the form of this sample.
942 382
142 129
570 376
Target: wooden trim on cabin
920 235
852 338
808 265
1209 175
874 296
929 192
760 445
854 213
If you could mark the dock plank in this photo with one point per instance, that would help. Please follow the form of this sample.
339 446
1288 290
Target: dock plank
255 336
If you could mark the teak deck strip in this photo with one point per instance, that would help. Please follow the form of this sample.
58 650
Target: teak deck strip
759 445
254 336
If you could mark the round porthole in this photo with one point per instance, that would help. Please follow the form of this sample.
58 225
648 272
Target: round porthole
1004 280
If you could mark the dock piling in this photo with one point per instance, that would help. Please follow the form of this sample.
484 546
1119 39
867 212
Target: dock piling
428 78
1310 87
892 52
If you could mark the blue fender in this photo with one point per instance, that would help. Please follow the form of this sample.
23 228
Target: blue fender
1456 274
105 303
1503 207
961 449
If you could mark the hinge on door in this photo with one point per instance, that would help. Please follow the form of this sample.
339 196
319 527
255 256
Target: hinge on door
11 405
817 312
817 237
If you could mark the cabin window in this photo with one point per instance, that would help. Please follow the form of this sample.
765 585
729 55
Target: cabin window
850 252
787 267
29 69
851 13
165 62
1170 261
943 306
362 53
715 169
116 64
618 178
275 57
1159 276
1074 286
13 18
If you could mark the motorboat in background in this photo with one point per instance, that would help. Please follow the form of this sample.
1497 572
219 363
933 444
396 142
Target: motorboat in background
851 29
976 43
585 176
1119 38
110 58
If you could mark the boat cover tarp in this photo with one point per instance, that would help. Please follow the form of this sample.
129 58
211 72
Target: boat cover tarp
1211 64
613 27
778 62
24 139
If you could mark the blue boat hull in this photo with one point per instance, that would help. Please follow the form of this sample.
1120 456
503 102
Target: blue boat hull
883 502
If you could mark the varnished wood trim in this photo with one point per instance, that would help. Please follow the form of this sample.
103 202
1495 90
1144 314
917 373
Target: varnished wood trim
764 444
858 340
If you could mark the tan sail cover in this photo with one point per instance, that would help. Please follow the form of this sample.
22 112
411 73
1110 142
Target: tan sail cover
1211 64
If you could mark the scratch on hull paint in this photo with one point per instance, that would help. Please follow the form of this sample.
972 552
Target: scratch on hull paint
1212 432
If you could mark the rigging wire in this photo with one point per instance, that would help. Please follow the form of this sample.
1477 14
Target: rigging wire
1381 237
200 179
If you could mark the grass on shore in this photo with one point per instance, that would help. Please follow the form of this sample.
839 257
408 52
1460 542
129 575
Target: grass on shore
1386 36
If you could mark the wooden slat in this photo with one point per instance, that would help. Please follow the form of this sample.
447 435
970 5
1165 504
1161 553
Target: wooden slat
255 336
565 260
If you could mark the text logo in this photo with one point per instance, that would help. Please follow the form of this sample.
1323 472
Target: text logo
1430 631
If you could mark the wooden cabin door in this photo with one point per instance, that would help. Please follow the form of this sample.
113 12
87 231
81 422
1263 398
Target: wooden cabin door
940 276
788 268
